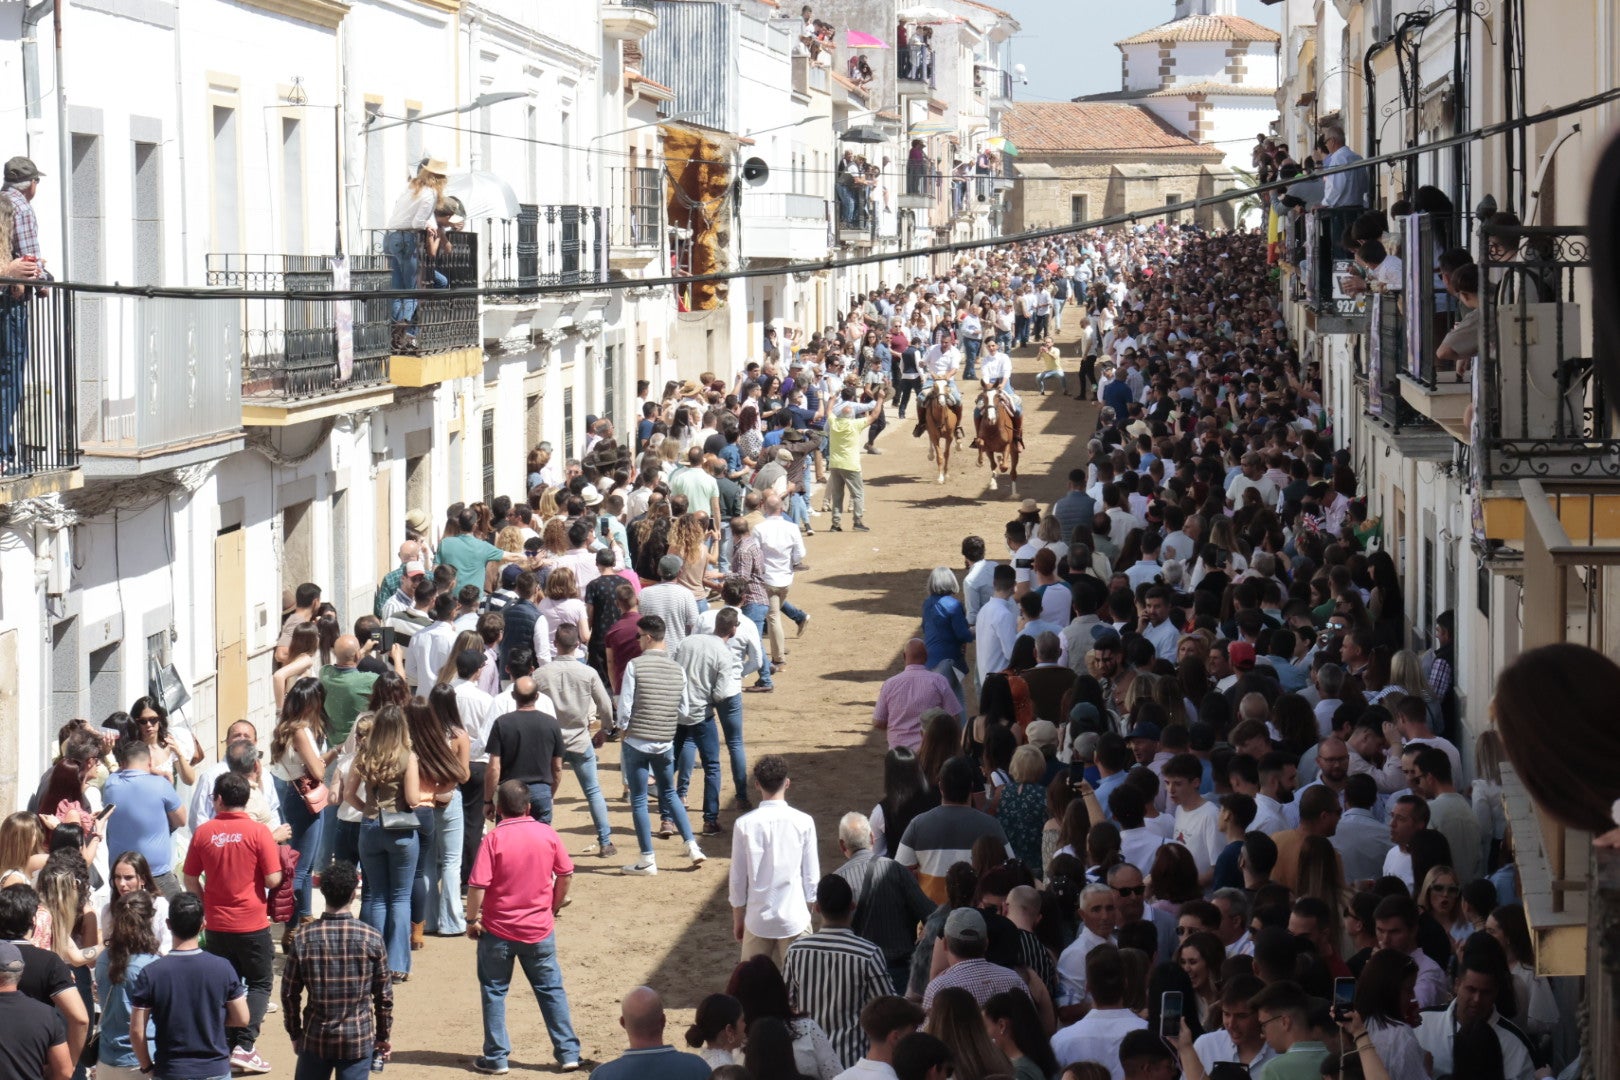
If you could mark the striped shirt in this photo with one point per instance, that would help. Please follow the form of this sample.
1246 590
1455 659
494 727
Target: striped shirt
831 976
942 837
888 903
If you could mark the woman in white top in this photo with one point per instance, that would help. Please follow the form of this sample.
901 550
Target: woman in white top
129 873
718 1030
758 984
1386 1003
410 221
562 605
298 756
1538 1009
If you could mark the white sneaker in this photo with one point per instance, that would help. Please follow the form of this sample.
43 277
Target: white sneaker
695 852
645 867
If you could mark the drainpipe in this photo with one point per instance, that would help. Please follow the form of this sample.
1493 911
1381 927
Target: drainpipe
62 141
180 147
30 61
31 99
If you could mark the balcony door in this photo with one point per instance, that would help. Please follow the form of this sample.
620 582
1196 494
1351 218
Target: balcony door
230 631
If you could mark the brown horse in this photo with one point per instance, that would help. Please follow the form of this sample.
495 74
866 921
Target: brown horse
996 438
942 419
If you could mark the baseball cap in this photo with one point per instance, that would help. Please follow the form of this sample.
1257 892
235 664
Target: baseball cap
1085 745
20 170
509 574
1041 733
11 957
413 569
670 565
965 924
1145 730
1241 653
1104 636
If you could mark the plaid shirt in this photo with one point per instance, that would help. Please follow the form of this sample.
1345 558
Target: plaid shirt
748 563
27 228
344 964
389 586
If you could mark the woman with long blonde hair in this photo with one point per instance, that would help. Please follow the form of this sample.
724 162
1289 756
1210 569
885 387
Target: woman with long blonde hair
467 639
955 1020
385 783
62 891
688 538
298 758
410 223
563 606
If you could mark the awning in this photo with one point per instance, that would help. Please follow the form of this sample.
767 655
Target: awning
863 41
1003 144
863 133
484 195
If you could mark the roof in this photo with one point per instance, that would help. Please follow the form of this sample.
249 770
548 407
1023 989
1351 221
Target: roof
1073 127
1186 89
1205 28
987 7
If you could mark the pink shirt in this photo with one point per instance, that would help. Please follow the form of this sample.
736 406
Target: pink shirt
905 697
518 862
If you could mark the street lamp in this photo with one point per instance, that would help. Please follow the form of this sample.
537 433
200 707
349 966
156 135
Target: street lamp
479 102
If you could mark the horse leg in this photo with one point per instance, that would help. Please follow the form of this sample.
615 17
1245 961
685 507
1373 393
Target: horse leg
944 459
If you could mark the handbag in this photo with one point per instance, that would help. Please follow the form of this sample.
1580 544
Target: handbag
315 793
164 683
399 820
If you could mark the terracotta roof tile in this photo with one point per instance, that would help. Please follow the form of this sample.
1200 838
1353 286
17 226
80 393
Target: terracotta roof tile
1184 89
1205 28
1089 127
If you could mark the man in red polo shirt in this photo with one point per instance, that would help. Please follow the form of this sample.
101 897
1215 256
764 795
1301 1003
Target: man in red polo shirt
232 864
518 884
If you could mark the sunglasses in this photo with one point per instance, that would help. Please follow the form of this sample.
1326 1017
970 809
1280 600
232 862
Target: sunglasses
1132 890
1445 890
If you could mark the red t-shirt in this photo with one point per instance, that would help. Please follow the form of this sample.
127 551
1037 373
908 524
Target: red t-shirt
233 854
621 638
517 864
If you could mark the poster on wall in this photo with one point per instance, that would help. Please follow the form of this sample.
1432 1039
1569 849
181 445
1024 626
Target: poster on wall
1375 359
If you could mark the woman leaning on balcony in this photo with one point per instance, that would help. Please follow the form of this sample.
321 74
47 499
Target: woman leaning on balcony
410 220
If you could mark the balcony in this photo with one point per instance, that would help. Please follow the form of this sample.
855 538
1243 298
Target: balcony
914 69
993 85
638 225
783 226
448 337
1326 262
307 358
628 20
39 439
857 217
1431 387
153 393
922 188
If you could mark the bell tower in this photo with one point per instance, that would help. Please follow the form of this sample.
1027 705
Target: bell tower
1188 8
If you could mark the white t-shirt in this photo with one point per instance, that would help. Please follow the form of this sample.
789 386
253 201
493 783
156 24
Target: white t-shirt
1199 831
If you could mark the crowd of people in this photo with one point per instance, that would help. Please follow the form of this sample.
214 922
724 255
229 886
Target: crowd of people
1166 786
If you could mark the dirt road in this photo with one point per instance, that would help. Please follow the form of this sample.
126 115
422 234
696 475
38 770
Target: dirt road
673 932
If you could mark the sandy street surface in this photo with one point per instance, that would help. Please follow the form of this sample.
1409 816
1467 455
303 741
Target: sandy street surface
864 592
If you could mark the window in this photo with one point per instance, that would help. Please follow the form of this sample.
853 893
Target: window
488 433
1173 217
610 387
292 186
565 164
88 242
568 422
226 192
147 204
1078 208
531 170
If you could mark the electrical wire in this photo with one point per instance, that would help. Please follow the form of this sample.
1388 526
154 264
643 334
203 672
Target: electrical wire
506 292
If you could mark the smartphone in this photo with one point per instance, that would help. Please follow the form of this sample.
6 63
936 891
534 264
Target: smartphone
1344 999
1170 1014
1229 1070
388 639
101 815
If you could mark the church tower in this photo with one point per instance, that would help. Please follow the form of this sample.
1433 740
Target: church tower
1188 8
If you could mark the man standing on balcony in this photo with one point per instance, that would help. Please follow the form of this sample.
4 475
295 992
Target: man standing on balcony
21 185
411 220
1347 188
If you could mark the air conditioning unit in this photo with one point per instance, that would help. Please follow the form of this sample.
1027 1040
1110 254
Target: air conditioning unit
1538 399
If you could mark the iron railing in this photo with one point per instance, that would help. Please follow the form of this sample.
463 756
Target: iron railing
1386 346
638 198
513 251
1544 407
915 60
1430 309
152 377
38 382
293 348
1327 259
430 324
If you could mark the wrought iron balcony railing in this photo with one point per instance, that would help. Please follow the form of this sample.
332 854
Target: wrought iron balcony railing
39 428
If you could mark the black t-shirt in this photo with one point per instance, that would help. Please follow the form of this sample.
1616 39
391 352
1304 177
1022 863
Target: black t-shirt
44 974
714 444
28 1030
374 664
526 742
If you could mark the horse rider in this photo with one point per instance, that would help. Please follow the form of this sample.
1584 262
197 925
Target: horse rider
995 377
941 364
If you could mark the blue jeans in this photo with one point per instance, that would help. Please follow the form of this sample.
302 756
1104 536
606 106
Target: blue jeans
424 860
444 870
636 767
1004 339
730 712
306 840
540 796
1057 310
798 509
404 251
756 614
947 668
692 740
496 956
584 766
388 865
13 362
311 1067
1043 377
970 354
345 839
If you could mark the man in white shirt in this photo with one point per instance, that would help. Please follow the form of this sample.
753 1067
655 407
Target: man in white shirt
241 740
995 378
884 1022
1097 1036
976 582
430 647
1252 476
940 366
997 625
1156 625
1138 844
1395 920
782 545
1239 1037
1483 972
1407 817
1197 819
1099 917
774 868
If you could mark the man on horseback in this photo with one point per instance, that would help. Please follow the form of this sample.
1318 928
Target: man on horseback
941 364
995 375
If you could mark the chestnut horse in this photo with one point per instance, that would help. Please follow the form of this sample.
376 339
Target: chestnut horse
943 419
995 438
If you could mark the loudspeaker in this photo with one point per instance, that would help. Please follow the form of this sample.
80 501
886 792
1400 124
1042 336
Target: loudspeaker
755 172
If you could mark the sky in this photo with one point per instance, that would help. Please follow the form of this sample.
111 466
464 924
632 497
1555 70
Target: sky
1067 46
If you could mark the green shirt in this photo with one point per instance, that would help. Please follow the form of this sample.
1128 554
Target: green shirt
844 442
469 555
348 693
1303 1061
